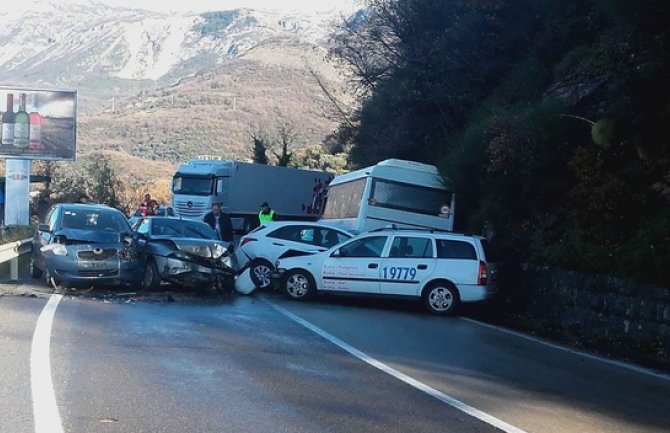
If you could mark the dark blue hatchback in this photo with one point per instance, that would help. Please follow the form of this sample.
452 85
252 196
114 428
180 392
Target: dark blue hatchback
85 245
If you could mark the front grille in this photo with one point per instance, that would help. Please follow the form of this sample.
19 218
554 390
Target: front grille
99 273
91 255
196 210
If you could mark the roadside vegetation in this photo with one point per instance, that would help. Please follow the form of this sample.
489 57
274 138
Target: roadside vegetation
15 233
550 120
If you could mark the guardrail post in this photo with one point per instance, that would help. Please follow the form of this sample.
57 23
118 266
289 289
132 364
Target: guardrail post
14 269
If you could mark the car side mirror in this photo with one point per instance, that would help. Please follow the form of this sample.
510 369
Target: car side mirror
336 253
44 228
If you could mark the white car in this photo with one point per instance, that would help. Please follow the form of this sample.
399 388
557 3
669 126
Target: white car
441 268
260 248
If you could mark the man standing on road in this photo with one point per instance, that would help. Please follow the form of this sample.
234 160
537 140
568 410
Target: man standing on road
267 214
220 222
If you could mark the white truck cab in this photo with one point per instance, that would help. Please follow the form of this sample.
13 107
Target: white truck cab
241 187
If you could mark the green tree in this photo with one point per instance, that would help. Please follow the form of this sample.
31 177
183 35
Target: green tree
286 138
260 147
549 119
105 183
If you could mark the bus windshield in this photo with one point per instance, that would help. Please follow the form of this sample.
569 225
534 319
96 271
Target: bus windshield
409 198
344 200
192 185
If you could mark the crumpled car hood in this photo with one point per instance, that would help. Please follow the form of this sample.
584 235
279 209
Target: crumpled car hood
195 246
89 236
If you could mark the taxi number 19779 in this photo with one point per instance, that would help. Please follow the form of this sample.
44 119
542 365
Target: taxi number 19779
398 273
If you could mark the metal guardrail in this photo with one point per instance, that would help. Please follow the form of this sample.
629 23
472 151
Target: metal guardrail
12 251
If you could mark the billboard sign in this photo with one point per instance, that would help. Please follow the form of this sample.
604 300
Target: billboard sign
38 124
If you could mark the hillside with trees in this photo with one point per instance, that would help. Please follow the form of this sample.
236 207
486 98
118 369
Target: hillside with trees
550 119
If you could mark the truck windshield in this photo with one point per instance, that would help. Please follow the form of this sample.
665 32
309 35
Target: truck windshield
192 185
406 197
344 200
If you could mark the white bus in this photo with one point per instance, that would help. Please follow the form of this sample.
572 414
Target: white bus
405 193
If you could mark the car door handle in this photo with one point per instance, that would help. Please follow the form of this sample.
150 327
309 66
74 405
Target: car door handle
422 267
277 244
373 266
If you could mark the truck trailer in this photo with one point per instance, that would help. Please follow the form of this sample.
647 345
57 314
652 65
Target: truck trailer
241 187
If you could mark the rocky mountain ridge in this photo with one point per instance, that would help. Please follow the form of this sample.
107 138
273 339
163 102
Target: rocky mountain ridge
106 51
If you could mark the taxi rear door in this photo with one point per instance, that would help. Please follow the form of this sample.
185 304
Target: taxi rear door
410 262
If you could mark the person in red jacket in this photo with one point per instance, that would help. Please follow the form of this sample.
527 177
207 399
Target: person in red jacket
148 206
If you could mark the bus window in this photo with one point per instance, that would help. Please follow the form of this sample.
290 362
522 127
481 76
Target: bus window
344 200
406 197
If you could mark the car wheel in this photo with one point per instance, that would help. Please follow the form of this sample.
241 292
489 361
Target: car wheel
441 298
151 279
299 285
35 272
260 272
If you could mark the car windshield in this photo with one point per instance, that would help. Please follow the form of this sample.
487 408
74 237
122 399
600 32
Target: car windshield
182 228
97 220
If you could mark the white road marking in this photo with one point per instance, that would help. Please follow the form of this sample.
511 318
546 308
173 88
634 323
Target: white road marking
567 349
475 413
47 418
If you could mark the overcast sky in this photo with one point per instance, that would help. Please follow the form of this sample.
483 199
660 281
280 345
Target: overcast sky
204 5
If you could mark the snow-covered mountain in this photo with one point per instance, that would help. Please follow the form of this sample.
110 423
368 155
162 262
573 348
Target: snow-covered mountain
89 44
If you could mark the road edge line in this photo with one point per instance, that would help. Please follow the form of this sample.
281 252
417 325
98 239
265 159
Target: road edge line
568 349
451 401
45 408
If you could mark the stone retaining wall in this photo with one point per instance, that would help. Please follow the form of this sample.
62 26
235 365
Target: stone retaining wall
613 314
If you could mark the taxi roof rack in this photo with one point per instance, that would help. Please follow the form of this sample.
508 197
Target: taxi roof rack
393 227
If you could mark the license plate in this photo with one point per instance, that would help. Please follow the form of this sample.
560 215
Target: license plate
94 265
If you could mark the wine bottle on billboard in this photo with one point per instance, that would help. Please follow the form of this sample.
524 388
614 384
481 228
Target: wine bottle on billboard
21 124
8 122
36 120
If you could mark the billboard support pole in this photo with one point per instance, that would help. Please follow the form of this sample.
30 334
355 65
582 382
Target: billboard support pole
17 192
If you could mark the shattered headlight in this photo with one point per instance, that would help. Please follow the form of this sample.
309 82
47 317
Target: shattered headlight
226 261
181 255
219 250
198 250
56 249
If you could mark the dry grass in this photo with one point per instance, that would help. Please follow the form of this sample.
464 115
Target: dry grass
215 112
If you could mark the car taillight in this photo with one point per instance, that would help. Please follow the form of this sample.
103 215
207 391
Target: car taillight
247 240
483 271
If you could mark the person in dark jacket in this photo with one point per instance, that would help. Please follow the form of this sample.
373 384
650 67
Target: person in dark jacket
220 222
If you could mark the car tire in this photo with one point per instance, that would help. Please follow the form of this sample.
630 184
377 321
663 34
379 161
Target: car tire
151 279
35 272
260 271
441 298
299 285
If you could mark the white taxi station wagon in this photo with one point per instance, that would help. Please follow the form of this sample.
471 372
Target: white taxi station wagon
441 268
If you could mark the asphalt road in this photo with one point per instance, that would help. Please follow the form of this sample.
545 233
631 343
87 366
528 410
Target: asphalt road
250 364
